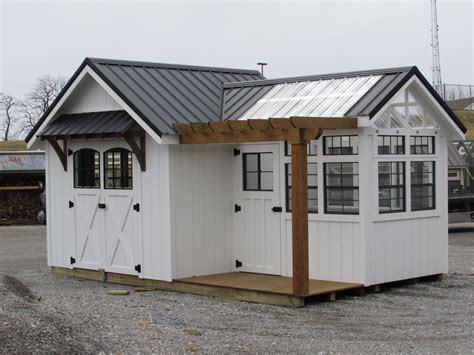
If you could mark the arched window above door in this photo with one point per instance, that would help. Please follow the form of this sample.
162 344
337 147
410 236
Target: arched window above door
118 169
87 169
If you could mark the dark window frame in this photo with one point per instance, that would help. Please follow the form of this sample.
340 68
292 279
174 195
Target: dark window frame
421 185
124 169
309 151
78 155
259 171
341 152
418 148
389 138
341 187
389 187
310 187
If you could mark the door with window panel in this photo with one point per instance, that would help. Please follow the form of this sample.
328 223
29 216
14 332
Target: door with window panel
87 229
257 209
122 217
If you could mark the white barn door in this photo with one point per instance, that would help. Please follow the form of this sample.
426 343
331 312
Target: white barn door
258 209
122 215
107 225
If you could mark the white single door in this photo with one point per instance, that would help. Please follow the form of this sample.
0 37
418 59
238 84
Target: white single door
257 209
87 229
121 208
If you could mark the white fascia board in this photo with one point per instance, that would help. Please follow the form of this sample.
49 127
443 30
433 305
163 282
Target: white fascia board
170 139
88 71
458 134
448 122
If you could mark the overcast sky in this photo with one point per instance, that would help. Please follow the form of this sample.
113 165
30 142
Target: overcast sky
295 38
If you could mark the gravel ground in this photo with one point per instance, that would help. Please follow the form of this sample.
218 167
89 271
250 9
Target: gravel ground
63 314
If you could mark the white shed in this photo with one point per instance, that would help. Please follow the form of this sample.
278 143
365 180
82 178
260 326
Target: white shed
180 177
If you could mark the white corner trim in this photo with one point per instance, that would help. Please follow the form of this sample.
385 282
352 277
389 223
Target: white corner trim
71 89
363 121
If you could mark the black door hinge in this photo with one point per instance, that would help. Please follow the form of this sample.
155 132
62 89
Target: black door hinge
72 260
277 209
236 152
71 204
70 152
138 268
237 208
238 263
102 206
136 207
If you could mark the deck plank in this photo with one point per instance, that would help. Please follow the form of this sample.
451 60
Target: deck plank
267 283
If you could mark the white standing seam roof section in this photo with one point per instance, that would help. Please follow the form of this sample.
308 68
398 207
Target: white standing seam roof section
326 98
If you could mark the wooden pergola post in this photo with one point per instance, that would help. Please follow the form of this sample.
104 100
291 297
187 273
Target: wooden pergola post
299 218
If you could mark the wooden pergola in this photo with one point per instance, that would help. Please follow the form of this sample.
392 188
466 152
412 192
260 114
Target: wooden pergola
297 131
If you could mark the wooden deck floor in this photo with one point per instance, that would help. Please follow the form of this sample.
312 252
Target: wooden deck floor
267 283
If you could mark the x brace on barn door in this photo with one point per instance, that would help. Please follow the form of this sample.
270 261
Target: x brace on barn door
297 131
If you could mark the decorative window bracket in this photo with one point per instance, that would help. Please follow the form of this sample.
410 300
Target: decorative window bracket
138 150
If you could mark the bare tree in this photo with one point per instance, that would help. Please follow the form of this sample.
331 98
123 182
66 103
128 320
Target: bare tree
39 100
7 118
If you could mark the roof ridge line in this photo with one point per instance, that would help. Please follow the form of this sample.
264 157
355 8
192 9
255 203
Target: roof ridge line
132 63
340 75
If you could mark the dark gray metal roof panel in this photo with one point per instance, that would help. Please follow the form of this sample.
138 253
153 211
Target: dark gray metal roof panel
238 100
89 123
164 94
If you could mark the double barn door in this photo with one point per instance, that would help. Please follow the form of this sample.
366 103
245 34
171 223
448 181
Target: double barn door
107 221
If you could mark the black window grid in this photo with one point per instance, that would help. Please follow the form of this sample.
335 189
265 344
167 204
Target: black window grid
423 186
118 170
333 145
312 189
259 171
86 169
396 173
391 145
345 203
311 151
422 145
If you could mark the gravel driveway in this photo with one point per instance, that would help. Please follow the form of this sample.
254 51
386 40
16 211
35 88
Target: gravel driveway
74 315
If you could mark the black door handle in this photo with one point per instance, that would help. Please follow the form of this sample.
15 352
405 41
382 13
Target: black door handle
237 208
277 209
102 206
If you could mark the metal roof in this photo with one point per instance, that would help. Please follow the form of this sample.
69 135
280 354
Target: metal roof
21 161
455 159
341 94
165 94
89 123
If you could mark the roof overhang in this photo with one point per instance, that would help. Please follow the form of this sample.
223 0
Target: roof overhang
52 113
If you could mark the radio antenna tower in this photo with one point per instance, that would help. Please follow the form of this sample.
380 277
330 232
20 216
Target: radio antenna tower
437 83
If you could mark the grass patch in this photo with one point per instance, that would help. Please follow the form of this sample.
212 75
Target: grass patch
467 117
12 145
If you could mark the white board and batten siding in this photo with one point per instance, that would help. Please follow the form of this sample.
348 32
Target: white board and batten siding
201 179
408 245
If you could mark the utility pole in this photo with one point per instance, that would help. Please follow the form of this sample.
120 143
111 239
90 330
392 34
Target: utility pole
436 80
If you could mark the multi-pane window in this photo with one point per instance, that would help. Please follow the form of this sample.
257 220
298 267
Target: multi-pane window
118 169
258 171
87 169
391 187
312 187
422 185
311 151
341 188
341 145
422 145
391 144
